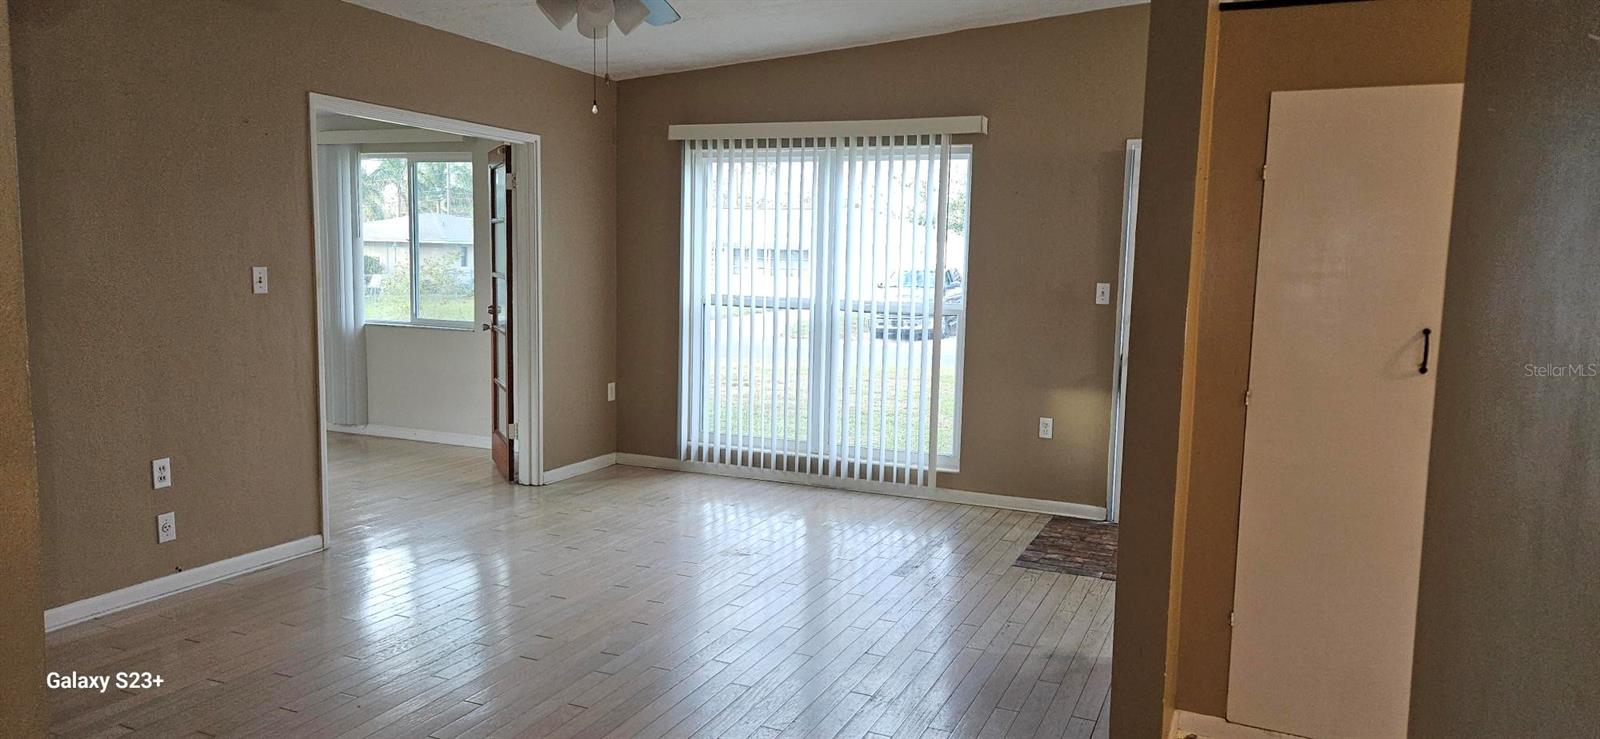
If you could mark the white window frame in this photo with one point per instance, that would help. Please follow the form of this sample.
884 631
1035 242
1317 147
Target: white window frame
412 159
946 463
952 462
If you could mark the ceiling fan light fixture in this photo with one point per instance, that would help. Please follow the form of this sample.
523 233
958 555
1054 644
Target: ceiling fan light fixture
629 14
594 23
594 17
560 12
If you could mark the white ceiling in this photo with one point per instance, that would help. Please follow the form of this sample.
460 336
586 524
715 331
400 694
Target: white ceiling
717 32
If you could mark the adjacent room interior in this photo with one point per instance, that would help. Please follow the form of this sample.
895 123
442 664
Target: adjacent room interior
1060 368
398 250
415 228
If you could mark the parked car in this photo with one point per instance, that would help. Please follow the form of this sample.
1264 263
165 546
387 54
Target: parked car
908 297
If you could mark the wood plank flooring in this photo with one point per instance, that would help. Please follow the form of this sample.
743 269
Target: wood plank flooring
627 602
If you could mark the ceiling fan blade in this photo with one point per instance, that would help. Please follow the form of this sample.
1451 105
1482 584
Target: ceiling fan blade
661 13
630 13
594 17
560 12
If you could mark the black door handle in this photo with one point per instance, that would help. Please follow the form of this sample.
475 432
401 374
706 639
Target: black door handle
1427 346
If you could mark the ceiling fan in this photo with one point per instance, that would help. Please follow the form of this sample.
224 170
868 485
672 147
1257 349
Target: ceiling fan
596 16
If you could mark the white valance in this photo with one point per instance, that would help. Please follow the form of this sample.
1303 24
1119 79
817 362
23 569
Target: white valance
950 126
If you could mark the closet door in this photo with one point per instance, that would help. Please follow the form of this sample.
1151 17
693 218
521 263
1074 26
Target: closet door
1349 291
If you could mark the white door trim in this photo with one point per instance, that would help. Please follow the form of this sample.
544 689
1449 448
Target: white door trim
1119 354
528 352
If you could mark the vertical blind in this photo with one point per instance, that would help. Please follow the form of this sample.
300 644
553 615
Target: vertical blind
343 313
819 304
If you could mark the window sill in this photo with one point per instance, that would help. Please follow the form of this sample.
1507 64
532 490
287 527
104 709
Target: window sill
467 327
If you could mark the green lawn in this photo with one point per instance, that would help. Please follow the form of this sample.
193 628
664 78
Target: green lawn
752 409
444 297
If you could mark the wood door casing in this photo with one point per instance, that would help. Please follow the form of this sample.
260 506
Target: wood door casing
500 329
1354 233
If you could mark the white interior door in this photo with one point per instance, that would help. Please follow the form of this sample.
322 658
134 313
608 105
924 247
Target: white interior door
1355 225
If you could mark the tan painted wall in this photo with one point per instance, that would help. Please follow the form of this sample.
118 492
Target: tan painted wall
1360 44
1160 370
1507 624
23 711
164 152
1062 96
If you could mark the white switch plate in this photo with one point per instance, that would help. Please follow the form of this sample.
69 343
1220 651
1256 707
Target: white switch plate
1047 428
1102 293
166 527
161 473
258 280
611 391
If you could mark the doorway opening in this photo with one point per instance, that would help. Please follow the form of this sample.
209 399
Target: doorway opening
427 268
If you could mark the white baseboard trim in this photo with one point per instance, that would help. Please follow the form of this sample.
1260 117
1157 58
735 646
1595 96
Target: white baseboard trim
398 432
579 468
1185 723
161 587
947 495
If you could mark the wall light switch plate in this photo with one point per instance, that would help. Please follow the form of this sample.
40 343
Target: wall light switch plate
166 527
1047 428
1102 293
611 391
258 280
161 473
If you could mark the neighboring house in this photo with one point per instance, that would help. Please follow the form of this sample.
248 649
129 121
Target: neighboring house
440 237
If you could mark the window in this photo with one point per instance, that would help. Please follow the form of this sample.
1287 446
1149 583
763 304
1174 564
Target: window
417 239
813 317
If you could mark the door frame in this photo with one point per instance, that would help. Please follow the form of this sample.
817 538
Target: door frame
1119 352
527 301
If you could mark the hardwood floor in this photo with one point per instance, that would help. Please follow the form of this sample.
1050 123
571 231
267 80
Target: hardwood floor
627 602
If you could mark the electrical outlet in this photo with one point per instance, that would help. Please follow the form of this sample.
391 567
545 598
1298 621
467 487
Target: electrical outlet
1047 428
611 391
166 527
258 280
1102 293
161 473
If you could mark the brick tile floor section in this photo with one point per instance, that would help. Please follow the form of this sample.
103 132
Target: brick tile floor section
1075 547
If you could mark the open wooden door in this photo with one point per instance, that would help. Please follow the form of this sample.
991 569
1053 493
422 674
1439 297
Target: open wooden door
503 409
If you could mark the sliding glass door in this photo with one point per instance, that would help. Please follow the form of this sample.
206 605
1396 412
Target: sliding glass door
824 299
